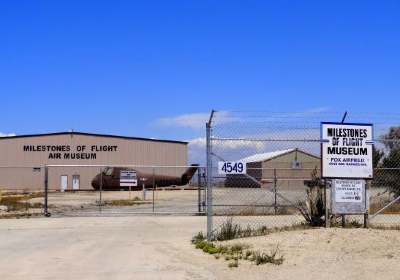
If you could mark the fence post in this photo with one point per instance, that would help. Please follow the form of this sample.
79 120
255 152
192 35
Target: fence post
204 194
343 220
101 188
275 205
46 188
366 197
209 191
327 219
199 189
154 183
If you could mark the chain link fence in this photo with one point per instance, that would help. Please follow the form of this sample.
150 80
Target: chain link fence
78 190
104 190
21 191
282 153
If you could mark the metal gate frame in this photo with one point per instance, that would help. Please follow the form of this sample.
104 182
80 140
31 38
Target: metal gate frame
200 207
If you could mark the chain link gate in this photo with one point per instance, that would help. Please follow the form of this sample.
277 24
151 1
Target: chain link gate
282 153
79 190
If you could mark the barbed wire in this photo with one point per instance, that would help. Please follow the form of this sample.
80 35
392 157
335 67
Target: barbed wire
313 112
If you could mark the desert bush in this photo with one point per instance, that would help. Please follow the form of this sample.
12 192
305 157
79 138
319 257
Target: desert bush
235 252
198 238
314 210
233 264
263 258
228 231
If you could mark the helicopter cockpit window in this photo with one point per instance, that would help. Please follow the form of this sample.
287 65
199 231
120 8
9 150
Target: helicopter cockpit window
110 171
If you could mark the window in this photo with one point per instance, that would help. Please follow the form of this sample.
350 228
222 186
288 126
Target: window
110 171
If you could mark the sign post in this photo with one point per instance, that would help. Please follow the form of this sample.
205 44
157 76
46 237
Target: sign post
143 179
347 159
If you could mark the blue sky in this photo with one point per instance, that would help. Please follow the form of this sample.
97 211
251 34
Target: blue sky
157 68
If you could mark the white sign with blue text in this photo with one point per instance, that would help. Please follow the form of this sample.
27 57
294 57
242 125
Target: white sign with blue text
347 150
231 167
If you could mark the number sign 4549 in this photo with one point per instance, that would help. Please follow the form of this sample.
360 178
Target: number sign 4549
231 167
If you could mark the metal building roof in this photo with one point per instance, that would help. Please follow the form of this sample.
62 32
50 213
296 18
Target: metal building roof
92 134
266 156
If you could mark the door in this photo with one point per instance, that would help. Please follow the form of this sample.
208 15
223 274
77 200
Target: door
75 182
64 182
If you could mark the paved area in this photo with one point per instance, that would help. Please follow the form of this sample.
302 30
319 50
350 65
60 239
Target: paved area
99 248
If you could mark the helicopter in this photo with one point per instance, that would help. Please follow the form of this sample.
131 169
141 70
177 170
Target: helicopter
111 178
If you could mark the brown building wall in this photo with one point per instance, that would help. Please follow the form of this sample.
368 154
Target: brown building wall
241 181
122 151
285 174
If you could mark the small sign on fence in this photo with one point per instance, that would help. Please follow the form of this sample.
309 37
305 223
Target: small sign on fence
348 191
128 179
231 167
348 197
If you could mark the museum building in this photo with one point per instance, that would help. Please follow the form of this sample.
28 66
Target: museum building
23 158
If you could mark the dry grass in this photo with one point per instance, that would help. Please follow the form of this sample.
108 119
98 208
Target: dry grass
19 201
19 215
266 231
125 202
384 227
230 230
283 210
235 252
394 209
31 193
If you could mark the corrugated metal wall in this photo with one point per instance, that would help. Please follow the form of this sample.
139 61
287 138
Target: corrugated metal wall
286 175
128 151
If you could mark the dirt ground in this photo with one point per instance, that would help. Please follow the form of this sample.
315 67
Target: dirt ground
158 247
328 254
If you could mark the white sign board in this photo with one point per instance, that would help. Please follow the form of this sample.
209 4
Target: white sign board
231 167
349 197
127 179
347 151
348 190
297 165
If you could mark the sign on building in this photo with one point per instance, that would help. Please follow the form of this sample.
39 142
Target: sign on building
297 164
128 179
347 151
348 197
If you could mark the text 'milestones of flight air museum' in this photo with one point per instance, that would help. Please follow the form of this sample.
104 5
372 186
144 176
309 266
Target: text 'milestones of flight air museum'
82 151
